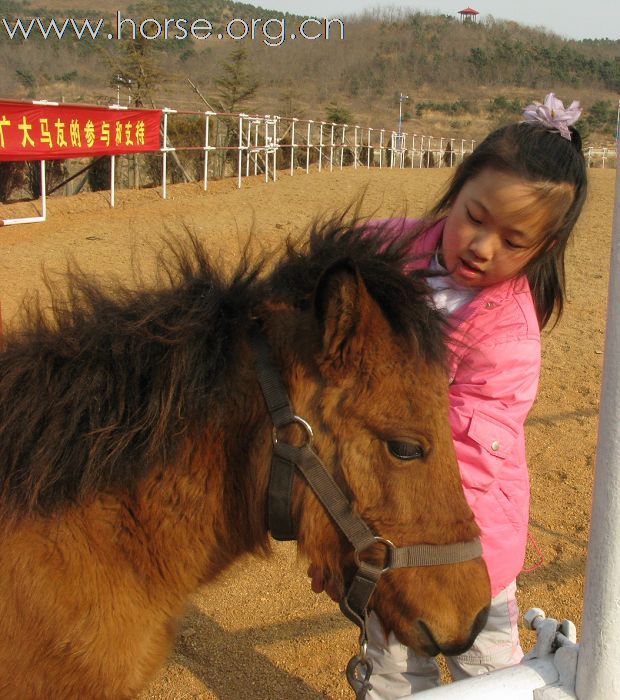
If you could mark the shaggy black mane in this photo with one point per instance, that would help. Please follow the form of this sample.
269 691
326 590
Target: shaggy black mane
96 394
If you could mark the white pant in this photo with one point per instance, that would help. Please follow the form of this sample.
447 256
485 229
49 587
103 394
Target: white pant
398 671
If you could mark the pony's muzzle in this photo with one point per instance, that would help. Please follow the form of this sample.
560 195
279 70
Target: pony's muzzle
432 647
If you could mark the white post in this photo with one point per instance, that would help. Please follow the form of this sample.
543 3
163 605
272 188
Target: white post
249 152
369 147
255 125
321 147
164 162
276 146
440 151
266 129
331 149
308 148
112 179
344 129
381 148
205 177
43 191
451 152
240 145
598 667
355 147
293 144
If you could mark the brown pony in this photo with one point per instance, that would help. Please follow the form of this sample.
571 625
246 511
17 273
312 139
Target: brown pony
135 448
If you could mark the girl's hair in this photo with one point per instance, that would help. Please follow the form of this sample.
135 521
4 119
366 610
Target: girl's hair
539 155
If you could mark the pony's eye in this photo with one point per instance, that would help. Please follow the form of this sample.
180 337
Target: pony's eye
405 450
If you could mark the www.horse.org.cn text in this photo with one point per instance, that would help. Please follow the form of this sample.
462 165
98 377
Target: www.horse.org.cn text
273 31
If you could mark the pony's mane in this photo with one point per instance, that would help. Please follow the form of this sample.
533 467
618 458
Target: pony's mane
98 392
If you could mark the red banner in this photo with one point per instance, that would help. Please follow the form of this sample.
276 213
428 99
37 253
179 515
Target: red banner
45 131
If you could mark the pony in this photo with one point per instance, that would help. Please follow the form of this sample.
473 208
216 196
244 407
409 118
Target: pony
135 448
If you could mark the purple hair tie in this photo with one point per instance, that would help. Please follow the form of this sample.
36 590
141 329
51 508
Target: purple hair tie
553 115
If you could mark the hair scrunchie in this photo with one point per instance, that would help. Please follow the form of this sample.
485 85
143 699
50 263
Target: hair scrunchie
553 114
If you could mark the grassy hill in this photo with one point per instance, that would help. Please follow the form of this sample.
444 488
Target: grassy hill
461 79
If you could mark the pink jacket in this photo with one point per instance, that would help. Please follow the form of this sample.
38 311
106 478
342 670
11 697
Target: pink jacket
494 372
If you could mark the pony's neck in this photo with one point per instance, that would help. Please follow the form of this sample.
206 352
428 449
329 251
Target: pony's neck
214 509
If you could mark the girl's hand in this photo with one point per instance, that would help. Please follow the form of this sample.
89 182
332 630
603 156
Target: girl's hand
325 582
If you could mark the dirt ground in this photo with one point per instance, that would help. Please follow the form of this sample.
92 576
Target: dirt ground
259 632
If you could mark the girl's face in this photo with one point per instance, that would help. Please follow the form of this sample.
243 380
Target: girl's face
494 228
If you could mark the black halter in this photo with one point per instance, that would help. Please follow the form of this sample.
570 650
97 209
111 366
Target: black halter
286 459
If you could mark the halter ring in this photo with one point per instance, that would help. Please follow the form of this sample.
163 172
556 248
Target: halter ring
389 550
309 435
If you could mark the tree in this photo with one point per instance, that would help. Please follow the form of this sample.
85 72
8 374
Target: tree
235 86
338 114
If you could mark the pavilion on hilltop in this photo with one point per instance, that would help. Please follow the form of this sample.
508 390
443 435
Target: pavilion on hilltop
469 14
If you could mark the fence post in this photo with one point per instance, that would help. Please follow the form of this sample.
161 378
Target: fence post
164 162
112 178
205 181
598 666
240 147
293 144
308 148
344 129
43 191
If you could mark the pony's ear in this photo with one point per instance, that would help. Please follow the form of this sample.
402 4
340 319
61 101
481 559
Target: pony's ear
342 304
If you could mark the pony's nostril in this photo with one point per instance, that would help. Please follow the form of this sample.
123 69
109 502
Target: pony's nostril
429 644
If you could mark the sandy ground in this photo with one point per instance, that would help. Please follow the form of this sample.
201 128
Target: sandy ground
259 632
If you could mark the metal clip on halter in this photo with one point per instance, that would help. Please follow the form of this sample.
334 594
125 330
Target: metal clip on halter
359 669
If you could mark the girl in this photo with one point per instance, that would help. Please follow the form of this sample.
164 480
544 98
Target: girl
498 235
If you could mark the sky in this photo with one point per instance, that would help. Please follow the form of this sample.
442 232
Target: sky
573 19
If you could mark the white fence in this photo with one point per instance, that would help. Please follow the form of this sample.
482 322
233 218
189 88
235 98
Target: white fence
601 157
274 145
305 142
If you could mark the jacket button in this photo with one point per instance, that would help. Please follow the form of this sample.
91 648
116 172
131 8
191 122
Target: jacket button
495 445
489 305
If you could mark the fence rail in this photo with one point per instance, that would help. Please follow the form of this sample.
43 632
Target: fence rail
600 156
